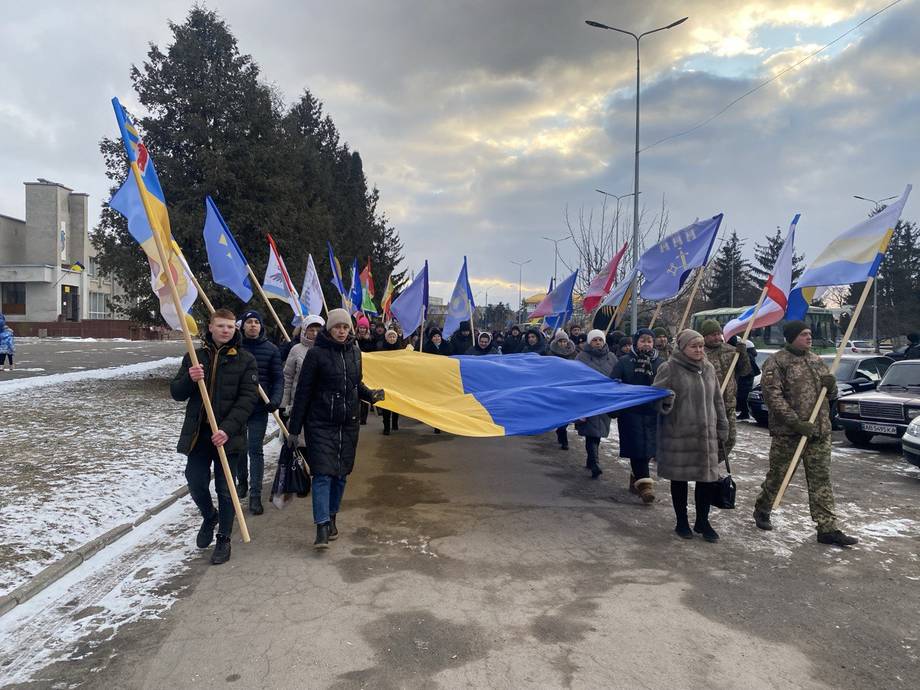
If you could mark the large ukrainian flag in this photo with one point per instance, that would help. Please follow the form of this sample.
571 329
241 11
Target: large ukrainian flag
496 395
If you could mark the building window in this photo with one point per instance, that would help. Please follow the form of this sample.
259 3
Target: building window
13 298
93 267
99 306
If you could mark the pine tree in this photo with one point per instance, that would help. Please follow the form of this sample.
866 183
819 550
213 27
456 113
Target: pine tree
730 283
765 256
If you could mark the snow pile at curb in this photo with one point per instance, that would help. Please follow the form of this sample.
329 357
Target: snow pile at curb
107 373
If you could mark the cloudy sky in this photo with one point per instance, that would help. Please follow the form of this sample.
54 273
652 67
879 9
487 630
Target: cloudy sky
481 121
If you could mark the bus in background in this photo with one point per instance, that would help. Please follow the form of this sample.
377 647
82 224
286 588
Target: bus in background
824 329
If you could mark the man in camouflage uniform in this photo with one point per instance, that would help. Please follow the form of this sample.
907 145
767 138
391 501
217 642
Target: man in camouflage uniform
791 381
662 343
720 356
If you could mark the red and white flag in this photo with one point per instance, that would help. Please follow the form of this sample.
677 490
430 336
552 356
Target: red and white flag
779 284
277 283
602 282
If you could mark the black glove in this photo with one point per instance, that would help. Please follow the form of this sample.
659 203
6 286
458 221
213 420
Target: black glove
741 348
271 407
291 441
377 396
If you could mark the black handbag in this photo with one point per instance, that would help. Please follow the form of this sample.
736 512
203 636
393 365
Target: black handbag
291 477
723 494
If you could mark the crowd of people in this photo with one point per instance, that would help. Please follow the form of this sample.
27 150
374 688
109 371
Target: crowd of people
315 382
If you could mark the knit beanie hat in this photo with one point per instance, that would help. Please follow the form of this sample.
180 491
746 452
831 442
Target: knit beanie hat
251 314
640 333
390 330
792 329
363 322
596 333
336 317
709 327
685 337
311 319
560 335
660 332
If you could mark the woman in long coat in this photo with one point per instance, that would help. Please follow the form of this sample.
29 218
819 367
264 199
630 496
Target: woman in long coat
597 356
327 407
561 346
691 426
638 426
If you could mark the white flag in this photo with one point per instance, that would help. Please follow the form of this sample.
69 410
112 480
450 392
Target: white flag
277 283
311 296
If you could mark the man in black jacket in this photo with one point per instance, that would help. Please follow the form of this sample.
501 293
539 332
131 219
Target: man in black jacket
232 379
271 378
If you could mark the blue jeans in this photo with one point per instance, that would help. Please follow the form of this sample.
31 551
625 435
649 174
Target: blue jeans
327 496
256 426
198 476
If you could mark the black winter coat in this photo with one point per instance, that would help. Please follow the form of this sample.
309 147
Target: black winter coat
326 405
432 349
512 344
539 348
478 351
637 426
232 387
459 344
271 368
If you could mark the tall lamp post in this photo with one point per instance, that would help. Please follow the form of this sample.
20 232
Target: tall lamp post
556 252
616 220
520 265
878 207
635 244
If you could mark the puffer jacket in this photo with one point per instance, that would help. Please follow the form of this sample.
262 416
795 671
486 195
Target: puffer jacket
292 366
691 425
602 361
232 386
268 359
512 344
326 406
540 345
791 382
443 349
7 341
637 426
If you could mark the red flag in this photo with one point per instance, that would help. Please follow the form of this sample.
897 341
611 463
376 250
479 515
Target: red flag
602 282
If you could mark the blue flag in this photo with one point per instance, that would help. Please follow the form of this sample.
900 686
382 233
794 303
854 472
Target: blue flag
337 274
666 266
356 294
228 265
558 300
461 303
411 307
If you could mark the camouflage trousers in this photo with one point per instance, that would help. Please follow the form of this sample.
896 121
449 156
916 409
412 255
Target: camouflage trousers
732 430
816 459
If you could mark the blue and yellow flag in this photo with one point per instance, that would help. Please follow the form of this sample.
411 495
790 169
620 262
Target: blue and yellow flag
496 395
228 265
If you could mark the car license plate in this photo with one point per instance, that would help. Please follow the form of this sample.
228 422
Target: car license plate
880 428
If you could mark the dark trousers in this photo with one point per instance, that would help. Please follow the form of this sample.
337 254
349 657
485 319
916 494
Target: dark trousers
390 420
639 468
365 409
562 436
253 463
745 384
198 476
702 496
592 446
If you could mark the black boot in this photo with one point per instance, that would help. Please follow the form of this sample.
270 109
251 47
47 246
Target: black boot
704 528
762 520
386 428
242 489
703 498
395 422
322 536
206 532
683 527
679 501
221 551
255 505
836 538
333 531
596 472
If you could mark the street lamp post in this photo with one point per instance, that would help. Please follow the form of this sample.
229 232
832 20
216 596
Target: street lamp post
556 253
616 219
878 207
635 247
520 265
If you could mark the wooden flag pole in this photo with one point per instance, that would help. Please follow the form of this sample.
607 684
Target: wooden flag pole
822 394
696 286
747 332
651 324
190 348
268 304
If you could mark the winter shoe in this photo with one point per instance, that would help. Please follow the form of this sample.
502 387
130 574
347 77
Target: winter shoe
395 425
242 489
836 538
386 432
322 536
762 520
709 534
221 551
255 505
206 533
596 472
564 446
644 487
683 527
333 531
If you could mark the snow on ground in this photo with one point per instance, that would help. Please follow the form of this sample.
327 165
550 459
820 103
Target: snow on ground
82 452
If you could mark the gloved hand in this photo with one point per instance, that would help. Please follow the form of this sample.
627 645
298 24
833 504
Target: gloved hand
291 441
806 429
271 407
829 381
741 348
377 395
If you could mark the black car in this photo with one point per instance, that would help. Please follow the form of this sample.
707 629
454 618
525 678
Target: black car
886 411
856 374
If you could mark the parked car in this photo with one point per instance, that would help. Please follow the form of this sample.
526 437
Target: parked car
898 353
886 411
858 346
910 443
762 356
856 373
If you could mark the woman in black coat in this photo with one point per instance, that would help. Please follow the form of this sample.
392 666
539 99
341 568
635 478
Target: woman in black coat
436 345
638 425
534 341
483 346
390 343
326 407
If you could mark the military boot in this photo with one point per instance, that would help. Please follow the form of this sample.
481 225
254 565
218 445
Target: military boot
836 538
762 520
221 550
